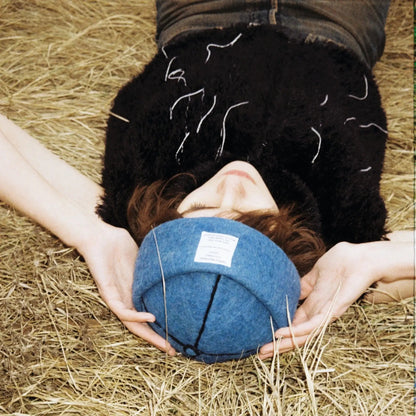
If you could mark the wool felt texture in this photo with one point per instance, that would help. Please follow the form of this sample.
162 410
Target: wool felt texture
225 287
308 116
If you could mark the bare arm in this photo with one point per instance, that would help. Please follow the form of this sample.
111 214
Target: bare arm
394 260
402 236
61 199
58 174
26 189
399 283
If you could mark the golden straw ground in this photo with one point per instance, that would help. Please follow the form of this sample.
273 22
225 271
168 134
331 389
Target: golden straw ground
62 352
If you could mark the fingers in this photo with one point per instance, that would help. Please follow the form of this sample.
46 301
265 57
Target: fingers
125 311
281 346
134 316
291 337
301 329
145 332
294 336
136 322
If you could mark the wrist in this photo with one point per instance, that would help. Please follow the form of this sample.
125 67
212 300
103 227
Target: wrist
389 261
85 232
95 233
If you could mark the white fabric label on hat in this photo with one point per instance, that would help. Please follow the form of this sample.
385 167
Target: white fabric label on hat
216 248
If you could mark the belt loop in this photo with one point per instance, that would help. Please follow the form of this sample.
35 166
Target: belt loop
274 7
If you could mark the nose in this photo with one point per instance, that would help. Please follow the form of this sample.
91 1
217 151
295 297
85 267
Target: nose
232 193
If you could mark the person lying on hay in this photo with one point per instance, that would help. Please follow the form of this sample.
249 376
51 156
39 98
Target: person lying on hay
246 154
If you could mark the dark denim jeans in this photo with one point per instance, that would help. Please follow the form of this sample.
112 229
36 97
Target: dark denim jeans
357 25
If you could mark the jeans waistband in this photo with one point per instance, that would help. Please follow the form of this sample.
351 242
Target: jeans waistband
357 25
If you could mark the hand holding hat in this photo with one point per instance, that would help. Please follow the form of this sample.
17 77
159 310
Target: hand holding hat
110 256
337 280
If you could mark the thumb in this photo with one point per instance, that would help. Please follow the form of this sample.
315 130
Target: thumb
307 283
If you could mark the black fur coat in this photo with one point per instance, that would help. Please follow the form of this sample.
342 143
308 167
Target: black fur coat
308 116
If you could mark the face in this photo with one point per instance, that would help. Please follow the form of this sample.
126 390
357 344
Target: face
238 186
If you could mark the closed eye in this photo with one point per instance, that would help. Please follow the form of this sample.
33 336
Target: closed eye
196 206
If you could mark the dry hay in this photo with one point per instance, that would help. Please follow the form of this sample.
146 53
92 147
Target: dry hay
62 352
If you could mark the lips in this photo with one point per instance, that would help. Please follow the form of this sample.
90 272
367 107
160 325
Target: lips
240 173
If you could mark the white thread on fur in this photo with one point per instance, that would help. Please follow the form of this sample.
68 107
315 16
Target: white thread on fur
180 77
180 148
164 52
221 148
168 68
349 119
191 94
163 284
172 75
206 115
366 126
366 169
215 45
319 144
366 92
324 101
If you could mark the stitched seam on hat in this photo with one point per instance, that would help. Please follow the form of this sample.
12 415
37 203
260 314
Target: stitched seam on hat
198 352
214 290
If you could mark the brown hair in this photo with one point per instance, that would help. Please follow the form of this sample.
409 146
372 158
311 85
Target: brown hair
155 204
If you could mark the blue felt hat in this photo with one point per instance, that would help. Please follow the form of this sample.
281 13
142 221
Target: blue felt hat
225 287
